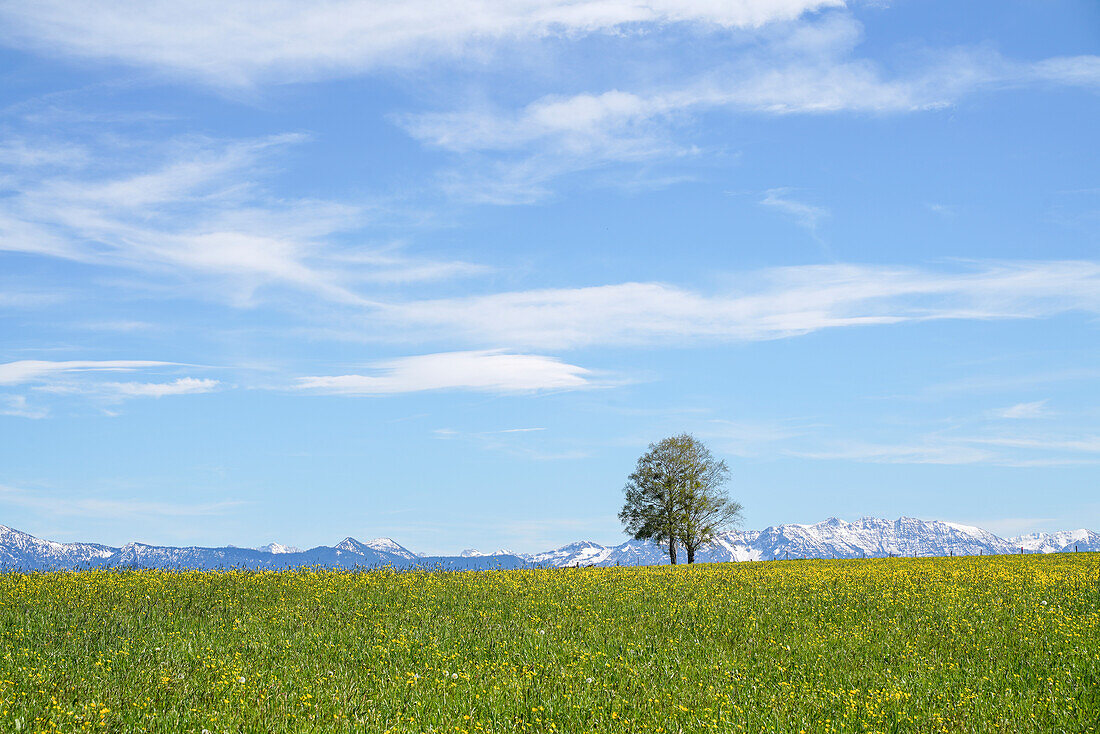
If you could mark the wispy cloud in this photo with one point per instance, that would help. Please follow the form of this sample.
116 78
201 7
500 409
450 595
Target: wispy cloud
252 41
1013 382
483 371
35 370
27 299
192 213
17 405
1024 410
21 153
944 210
805 215
84 379
512 441
748 438
109 508
811 67
919 453
1086 444
181 386
994 450
769 304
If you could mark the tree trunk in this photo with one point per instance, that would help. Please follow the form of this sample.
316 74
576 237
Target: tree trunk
691 553
672 550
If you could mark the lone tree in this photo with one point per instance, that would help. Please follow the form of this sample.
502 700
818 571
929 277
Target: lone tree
676 495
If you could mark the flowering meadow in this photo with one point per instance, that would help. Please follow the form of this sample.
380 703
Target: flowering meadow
989 644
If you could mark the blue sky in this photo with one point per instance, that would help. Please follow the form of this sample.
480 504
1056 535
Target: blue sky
276 271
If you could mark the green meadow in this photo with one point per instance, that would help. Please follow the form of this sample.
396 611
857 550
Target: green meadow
991 644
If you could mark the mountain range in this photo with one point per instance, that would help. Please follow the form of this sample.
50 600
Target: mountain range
868 537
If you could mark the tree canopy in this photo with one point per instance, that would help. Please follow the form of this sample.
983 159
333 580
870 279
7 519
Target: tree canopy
676 496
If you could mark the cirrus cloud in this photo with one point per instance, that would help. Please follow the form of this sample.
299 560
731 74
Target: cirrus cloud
182 386
769 304
38 370
482 371
241 43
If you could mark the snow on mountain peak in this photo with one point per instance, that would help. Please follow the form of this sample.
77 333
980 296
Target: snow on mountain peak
278 548
1063 540
23 550
581 553
831 538
388 545
351 545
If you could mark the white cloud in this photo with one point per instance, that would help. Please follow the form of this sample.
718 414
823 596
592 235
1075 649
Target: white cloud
581 123
551 137
944 210
109 508
199 218
1085 444
513 441
33 370
245 42
485 371
22 153
805 215
182 386
806 67
16 405
1018 382
1024 410
747 438
119 326
84 379
769 304
1083 71
803 69
920 453
19 298
1011 451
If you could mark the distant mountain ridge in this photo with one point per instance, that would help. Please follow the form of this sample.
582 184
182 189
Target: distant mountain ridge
867 537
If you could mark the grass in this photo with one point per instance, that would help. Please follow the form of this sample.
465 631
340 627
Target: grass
993 644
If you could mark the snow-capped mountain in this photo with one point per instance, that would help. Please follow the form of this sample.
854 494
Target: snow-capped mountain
868 536
351 545
475 553
348 553
20 550
833 538
277 548
583 552
1060 542
388 545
